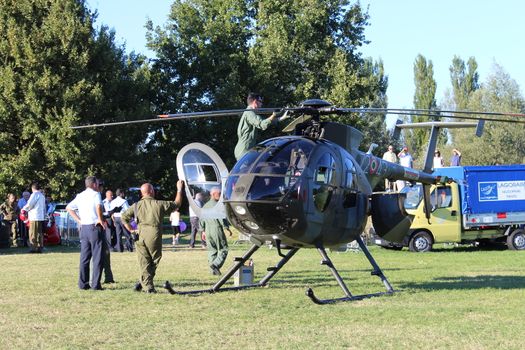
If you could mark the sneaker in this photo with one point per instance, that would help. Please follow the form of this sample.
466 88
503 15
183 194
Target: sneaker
137 287
152 291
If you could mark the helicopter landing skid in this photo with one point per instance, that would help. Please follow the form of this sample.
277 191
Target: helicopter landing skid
239 262
348 296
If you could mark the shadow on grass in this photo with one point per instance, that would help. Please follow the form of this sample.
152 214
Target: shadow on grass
53 249
470 282
468 249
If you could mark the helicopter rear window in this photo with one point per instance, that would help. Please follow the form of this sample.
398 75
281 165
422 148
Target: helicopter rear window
325 169
350 173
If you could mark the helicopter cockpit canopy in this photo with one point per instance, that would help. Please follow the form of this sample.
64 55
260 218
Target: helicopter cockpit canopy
273 166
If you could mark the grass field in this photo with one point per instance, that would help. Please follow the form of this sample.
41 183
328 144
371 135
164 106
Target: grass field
461 298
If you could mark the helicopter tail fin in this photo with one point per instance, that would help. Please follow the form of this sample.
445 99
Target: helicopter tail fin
389 217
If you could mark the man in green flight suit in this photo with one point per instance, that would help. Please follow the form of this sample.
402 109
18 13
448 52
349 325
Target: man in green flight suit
215 237
9 209
249 125
149 213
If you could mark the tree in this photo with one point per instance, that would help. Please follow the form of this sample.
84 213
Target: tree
211 54
501 143
57 71
424 98
464 81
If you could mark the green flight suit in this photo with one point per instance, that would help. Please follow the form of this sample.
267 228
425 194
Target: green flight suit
10 212
215 238
247 132
150 213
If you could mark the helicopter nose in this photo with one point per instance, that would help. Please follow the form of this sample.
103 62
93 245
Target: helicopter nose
257 218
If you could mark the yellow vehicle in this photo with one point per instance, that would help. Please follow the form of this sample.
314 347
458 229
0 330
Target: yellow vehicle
485 204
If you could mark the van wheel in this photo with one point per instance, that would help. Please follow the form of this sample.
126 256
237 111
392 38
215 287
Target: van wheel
421 241
516 240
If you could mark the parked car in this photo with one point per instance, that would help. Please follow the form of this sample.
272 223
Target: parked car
51 233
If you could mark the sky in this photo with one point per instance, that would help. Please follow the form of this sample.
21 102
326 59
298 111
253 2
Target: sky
491 31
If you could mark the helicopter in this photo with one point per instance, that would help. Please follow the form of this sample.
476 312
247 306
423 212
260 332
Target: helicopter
310 189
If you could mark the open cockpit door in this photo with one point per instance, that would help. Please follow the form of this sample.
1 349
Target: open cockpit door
203 170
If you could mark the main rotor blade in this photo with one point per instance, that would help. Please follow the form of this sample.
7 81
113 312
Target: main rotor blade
417 111
319 111
437 114
179 116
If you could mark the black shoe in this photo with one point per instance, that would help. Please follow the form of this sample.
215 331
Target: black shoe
32 251
99 288
137 287
86 287
109 282
152 291
215 270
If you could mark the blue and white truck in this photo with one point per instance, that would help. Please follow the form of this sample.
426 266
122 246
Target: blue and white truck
485 204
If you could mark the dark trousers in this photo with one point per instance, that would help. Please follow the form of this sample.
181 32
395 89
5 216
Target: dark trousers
194 220
91 248
122 231
106 247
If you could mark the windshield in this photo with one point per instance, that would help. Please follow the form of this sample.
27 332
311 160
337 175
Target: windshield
278 164
414 196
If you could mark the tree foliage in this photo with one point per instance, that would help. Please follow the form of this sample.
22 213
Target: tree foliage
57 71
424 98
211 54
501 143
464 81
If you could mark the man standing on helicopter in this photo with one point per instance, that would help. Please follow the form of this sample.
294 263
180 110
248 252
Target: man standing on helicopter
249 125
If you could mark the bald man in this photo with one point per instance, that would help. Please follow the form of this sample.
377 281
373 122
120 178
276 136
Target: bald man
148 213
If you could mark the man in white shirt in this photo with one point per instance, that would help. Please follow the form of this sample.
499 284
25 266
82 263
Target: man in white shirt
92 225
36 208
405 159
106 206
118 206
391 157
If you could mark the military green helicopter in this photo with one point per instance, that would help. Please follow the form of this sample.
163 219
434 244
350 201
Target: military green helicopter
310 189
